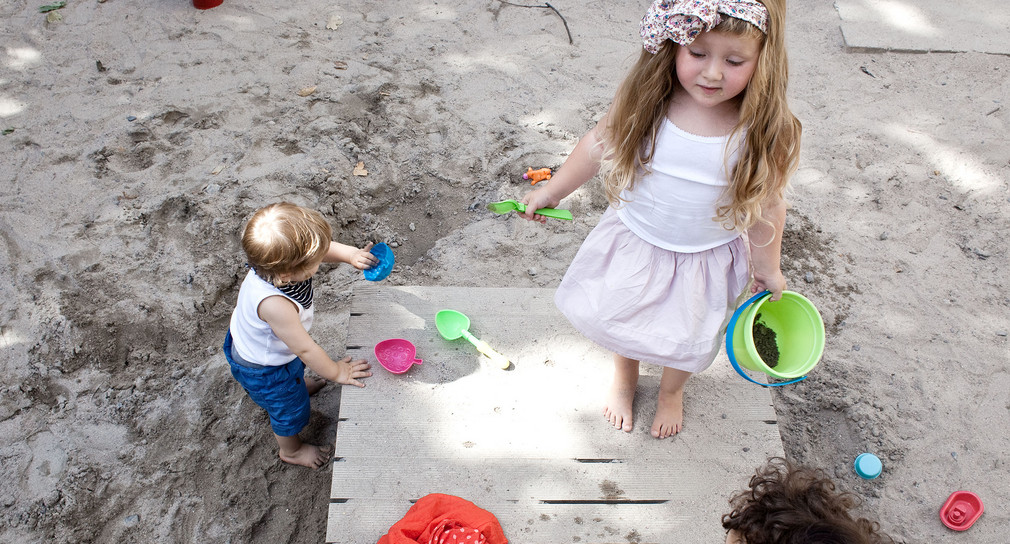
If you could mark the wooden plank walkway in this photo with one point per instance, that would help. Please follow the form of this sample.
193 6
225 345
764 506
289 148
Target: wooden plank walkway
530 444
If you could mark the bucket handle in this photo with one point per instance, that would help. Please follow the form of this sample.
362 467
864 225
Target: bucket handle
729 343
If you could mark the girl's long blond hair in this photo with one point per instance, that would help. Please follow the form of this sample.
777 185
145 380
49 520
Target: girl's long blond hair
771 133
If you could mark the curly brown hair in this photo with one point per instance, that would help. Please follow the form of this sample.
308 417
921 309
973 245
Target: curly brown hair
787 504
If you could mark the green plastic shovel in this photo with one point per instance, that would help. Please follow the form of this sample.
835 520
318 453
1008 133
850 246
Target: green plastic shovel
506 206
452 324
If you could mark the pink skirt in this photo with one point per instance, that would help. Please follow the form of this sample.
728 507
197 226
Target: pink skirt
652 304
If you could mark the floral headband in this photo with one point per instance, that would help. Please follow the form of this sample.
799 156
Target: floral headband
682 20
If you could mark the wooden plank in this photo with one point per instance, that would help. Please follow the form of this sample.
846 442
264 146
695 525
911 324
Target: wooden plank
403 396
530 444
548 523
527 480
553 523
592 439
540 523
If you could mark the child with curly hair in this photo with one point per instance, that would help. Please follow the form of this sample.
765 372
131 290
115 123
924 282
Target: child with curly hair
787 504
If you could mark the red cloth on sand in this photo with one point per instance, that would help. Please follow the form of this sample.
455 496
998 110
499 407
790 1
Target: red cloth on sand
445 519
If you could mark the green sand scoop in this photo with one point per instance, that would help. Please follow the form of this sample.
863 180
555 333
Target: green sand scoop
506 206
452 324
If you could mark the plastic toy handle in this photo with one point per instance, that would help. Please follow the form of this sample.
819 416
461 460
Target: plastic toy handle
496 358
547 212
556 214
484 348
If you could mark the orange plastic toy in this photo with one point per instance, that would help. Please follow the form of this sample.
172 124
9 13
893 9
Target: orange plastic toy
537 175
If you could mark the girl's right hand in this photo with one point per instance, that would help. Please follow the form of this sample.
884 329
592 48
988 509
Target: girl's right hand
536 199
774 282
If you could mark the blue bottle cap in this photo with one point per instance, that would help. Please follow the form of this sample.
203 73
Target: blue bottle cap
868 466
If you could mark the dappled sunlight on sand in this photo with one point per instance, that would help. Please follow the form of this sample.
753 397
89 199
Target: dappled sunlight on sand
17 59
904 16
958 165
20 58
238 23
11 338
10 107
474 62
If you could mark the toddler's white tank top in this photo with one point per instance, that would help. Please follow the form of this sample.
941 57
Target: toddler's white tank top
254 340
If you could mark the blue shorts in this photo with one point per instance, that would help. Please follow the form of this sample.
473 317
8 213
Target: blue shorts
280 390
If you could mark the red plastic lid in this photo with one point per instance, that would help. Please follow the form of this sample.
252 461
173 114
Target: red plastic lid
961 510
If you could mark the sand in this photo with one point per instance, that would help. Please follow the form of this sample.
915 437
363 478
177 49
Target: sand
138 136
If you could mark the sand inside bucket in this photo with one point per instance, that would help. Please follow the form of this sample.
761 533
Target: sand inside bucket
766 343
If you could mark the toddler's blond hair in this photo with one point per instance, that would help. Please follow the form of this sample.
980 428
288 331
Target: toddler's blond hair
284 238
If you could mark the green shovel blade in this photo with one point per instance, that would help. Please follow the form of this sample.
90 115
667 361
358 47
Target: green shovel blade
506 206
451 324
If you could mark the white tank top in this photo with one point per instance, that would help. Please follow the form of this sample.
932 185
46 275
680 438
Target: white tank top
253 338
673 206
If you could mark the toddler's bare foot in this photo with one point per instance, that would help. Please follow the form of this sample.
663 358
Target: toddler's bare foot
618 409
308 455
313 384
669 415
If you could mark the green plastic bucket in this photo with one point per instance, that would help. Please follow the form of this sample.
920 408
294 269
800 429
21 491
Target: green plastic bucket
799 334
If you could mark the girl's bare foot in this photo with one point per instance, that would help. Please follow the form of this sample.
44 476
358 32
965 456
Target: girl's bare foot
669 415
313 384
618 409
670 404
621 398
308 455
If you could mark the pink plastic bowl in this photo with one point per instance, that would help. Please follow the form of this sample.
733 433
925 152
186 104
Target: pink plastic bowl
396 355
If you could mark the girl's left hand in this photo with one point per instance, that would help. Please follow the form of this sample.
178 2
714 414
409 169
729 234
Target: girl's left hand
363 258
775 283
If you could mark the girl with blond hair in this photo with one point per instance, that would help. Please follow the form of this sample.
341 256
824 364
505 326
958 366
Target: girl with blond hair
695 153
